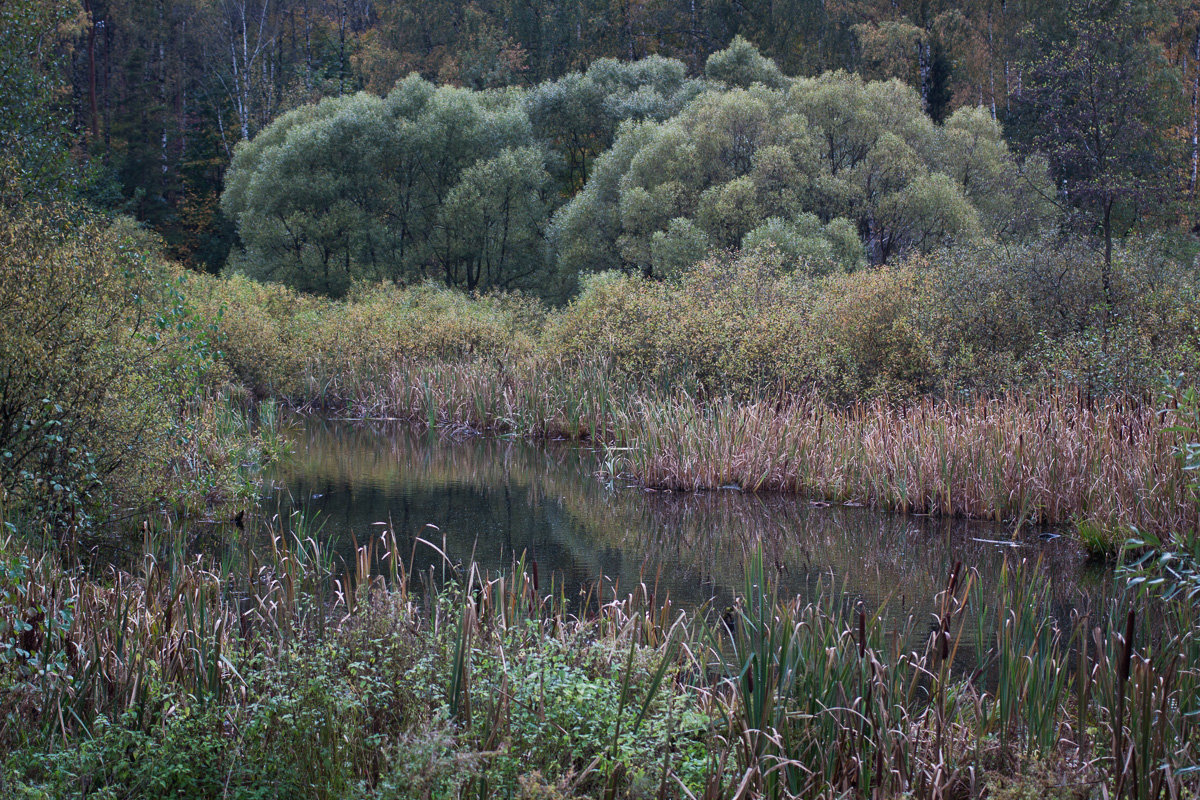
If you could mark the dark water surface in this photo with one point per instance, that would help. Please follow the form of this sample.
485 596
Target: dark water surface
494 499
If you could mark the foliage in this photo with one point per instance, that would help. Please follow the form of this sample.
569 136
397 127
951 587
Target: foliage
1042 313
284 344
738 374
1170 568
283 704
459 185
156 97
577 115
35 37
491 227
807 245
369 188
984 318
1100 101
733 368
431 182
102 359
741 65
858 156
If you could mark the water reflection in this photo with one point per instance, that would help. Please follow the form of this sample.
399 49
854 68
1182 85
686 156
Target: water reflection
492 499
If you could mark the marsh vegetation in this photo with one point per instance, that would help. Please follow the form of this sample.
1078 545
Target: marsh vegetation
873 278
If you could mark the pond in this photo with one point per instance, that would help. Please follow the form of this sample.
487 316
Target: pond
491 500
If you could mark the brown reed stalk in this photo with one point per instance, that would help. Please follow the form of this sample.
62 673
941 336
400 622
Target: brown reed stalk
1045 459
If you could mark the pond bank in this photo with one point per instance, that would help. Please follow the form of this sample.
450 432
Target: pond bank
1105 467
239 679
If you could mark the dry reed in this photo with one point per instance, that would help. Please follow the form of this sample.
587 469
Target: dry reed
1048 459
801 699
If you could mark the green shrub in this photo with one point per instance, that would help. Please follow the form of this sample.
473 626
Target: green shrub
741 325
984 318
258 327
102 358
187 756
282 343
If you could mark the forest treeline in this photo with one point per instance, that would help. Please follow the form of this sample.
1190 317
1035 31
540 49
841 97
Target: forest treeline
158 95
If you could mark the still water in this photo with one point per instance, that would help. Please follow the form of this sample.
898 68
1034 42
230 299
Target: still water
492 500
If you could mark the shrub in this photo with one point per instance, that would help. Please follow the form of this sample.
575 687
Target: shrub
101 355
1011 316
282 343
258 326
739 325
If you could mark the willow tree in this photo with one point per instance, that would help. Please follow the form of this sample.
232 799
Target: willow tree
369 188
799 167
490 228
433 182
742 65
578 114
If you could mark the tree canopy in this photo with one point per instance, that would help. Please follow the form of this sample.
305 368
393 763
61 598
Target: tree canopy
1101 103
433 181
657 170
807 168
426 182
35 133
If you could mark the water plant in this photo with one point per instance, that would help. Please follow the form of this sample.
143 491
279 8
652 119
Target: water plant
348 668
1107 465
737 372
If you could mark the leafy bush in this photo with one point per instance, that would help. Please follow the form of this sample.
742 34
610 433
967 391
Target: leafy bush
1021 315
286 344
742 325
102 359
187 756
985 318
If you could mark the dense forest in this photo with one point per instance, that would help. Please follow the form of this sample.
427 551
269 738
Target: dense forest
149 101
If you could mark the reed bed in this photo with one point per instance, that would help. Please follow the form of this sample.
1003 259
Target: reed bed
1046 460
1056 458
84 647
305 677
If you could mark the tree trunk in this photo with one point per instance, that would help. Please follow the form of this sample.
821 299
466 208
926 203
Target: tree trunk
1195 102
992 63
1108 247
925 68
164 166
342 50
875 252
628 13
93 109
308 67
1106 274
695 20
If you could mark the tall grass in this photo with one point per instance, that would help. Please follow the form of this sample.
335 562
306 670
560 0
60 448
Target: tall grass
1049 459
821 700
1046 460
773 697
